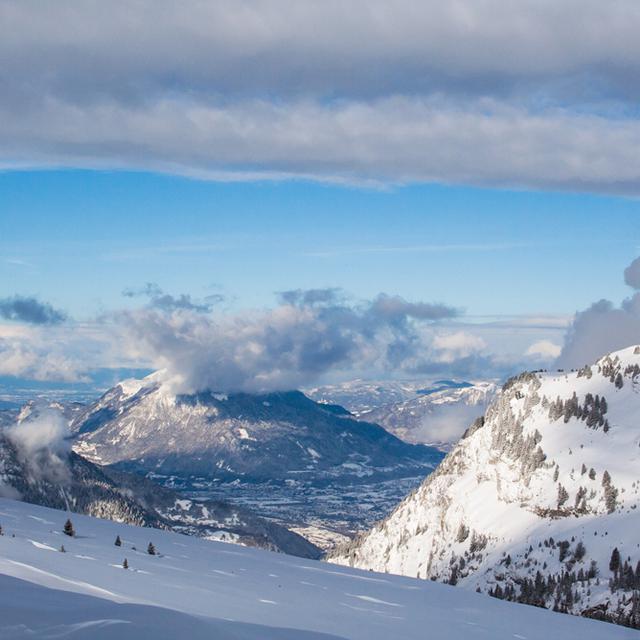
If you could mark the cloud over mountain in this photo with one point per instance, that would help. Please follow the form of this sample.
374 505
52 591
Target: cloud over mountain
313 334
603 327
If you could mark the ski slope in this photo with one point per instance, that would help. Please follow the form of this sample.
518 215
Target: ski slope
198 589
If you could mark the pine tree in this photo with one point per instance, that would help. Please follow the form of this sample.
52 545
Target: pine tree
563 495
68 529
125 564
118 542
614 563
151 550
62 549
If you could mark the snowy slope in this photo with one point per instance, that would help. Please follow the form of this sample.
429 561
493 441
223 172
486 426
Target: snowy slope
437 417
197 589
550 466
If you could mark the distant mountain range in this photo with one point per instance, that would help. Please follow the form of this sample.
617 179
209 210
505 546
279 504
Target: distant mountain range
537 503
435 413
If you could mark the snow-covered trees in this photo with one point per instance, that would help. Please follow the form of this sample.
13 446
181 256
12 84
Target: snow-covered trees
610 493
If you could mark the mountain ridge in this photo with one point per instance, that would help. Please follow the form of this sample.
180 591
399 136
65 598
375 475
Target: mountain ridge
534 499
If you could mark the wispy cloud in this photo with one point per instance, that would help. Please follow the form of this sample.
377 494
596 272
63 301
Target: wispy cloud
18 262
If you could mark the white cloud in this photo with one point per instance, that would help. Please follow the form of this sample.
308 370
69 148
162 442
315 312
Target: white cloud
450 347
41 445
52 353
544 350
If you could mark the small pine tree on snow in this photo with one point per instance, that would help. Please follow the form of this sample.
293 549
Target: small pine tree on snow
68 529
118 542
125 564
151 550
614 563
62 549
1 532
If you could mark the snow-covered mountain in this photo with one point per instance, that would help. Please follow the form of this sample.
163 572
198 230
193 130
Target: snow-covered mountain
359 395
64 480
141 425
32 409
537 503
201 590
436 416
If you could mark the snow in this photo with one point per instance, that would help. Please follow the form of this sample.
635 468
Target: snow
198 589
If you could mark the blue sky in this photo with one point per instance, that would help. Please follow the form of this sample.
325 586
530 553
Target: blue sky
79 238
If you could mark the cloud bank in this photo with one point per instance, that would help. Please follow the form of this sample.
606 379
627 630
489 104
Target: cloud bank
474 92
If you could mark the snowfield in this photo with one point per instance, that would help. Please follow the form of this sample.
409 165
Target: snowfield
198 589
